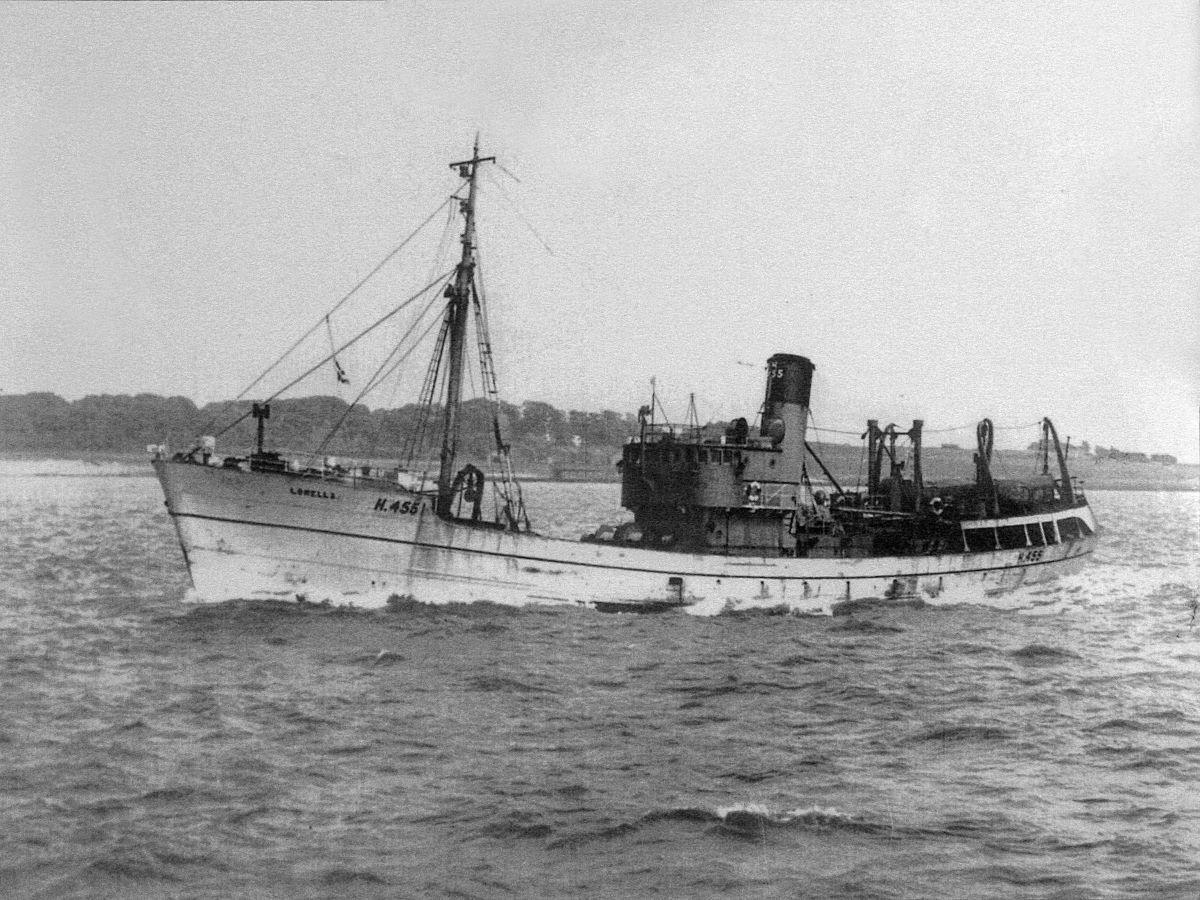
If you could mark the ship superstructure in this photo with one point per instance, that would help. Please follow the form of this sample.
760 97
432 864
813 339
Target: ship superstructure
748 492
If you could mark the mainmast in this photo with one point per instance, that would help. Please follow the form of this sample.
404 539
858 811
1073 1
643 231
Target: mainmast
457 313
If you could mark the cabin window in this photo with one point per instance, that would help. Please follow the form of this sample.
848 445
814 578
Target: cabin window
1051 534
703 453
980 540
1034 530
1073 527
727 456
1011 537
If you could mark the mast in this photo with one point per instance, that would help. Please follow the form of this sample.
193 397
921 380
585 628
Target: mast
457 313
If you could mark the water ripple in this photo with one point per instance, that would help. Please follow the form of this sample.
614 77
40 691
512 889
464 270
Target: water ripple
269 749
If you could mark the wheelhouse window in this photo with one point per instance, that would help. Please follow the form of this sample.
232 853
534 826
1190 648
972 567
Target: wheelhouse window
1073 527
1034 530
980 540
1012 537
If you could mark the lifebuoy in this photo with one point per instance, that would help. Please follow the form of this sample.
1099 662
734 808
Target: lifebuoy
936 506
470 480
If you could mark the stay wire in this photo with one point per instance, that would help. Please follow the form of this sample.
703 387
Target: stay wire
424 334
859 434
441 279
444 240
438 262
380 375
404 243
512 204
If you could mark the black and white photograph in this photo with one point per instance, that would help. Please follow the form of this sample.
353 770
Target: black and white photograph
591 449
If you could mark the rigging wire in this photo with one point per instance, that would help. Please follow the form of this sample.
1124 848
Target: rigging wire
380 375
994 427
404 243
857 434
512 204
435 265
506 487
444 240
431 387
483 295
928 430
438 282
470 369
499 166
424 334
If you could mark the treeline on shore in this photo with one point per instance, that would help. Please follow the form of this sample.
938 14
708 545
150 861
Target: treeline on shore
46 423
544 439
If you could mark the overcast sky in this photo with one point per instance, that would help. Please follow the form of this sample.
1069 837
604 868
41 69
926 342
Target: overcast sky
955 210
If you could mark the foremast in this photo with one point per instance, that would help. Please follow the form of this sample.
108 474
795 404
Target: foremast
457 312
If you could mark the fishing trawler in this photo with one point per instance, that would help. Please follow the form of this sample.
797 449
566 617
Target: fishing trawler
721 520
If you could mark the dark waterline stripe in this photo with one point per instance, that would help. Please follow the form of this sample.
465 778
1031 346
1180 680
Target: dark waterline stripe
590 565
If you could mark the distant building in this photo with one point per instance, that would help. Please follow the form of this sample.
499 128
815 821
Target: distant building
951 447
1165 458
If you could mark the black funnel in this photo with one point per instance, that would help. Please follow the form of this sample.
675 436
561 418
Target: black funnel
789 380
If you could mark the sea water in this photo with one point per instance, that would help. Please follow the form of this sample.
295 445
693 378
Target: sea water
149 748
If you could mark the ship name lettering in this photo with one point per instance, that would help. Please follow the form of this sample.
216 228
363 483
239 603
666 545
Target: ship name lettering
412 507
320 495
1030 556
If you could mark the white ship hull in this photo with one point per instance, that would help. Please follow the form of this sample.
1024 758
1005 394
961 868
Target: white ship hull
287 537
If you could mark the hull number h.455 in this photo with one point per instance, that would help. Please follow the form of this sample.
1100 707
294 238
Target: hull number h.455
412 507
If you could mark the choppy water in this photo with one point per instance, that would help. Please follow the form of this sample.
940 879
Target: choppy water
153 749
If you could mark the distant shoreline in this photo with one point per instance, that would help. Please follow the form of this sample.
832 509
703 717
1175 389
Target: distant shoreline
1155 488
